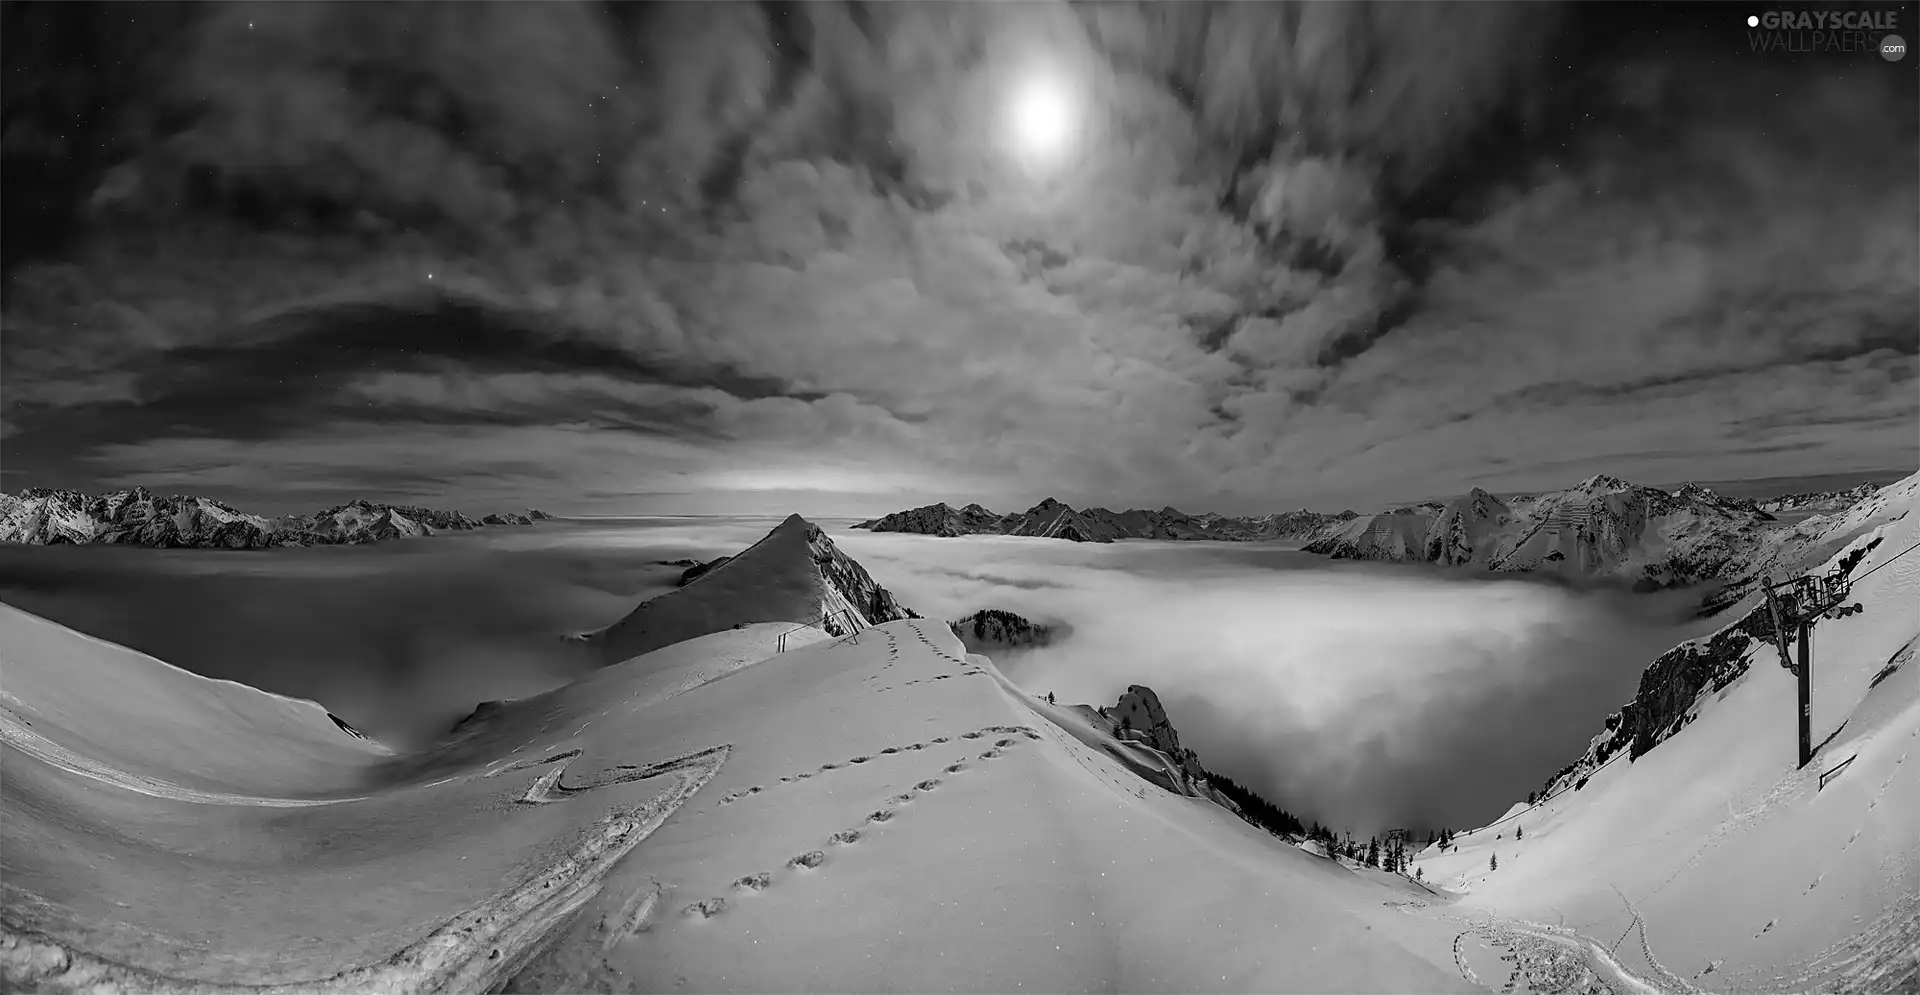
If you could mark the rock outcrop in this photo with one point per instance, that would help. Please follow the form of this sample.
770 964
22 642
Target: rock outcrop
699 570
139 517
795 574
1138 716
990 631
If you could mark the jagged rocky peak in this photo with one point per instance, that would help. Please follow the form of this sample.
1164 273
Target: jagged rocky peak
699 570
991 630
794 574
875 604
1604 482
1139 716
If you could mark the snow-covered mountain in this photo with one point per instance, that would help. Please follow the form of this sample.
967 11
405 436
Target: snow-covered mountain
794 574
1602 527
1688 837
1052 519
1823 501
139 517
762 806
937 520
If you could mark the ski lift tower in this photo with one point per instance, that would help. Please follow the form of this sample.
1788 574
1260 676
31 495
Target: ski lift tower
1797 603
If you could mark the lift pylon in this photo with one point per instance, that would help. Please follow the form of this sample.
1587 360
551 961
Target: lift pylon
1795 604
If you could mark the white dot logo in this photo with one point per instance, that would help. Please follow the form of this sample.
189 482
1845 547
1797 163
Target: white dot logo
1752 21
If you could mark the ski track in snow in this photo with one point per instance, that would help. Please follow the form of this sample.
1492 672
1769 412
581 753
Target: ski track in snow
477 950
17 735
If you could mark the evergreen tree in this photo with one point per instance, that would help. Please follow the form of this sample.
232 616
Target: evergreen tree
1518 831
1419 873
1493 862
1530 796
1258 810
1373 852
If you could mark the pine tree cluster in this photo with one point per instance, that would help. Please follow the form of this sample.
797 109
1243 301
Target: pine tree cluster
1259 811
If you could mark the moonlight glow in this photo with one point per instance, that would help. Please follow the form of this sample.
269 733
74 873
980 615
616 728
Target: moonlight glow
1044 119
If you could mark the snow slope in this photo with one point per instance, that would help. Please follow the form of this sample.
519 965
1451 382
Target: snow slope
1710 861
878 812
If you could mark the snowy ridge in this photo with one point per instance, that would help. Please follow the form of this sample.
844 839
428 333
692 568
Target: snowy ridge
1052 519
139 517
1602 527
793 574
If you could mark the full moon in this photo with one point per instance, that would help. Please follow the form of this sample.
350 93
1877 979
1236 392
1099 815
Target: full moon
1043 119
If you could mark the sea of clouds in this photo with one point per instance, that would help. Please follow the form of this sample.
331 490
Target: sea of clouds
1361 695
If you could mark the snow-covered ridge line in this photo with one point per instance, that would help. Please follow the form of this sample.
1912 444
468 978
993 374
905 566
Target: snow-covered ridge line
1603 527
139 517
1679 683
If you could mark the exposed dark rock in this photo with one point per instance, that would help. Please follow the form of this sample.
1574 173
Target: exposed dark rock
699 570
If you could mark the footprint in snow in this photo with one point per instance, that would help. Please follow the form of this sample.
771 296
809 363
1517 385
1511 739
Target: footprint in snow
955 768
859 760
844 837
927 785
754 882
880 816
972 735
808 861
891 749
943 739
706 909
1003 742
990 754
901 799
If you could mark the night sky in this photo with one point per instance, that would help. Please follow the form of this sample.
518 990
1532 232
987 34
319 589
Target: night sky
847 258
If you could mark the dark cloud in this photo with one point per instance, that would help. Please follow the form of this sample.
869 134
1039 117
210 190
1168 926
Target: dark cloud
1316 252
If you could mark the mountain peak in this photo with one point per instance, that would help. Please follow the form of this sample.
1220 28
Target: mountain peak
794 574
1603 482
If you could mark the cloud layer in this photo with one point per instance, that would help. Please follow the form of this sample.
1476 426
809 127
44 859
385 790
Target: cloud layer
681 256
1358 696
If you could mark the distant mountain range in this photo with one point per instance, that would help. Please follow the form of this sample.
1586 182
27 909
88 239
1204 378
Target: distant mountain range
1821 501
1603 527
139 517
1052 520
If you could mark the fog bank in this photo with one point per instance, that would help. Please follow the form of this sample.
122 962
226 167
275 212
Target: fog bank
1360 695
